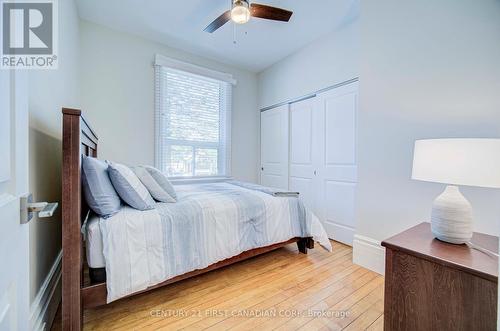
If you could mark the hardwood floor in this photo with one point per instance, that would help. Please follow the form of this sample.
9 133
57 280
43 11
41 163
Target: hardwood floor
280 290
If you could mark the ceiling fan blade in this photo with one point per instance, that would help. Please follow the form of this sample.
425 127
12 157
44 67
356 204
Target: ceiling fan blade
218 22
270 13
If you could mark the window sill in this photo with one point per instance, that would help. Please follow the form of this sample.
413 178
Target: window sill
198 180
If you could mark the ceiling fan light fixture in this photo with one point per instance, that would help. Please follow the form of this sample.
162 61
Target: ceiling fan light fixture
240 13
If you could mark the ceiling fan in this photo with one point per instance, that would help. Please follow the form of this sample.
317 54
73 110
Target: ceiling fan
241 12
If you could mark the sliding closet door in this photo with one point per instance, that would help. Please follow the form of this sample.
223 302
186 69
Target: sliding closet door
274 147
303 144
337 168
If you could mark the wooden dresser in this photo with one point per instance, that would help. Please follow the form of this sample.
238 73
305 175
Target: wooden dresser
433 285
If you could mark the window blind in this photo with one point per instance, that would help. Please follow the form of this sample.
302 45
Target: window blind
192 117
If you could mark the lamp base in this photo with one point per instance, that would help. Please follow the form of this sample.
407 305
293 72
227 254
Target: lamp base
451 218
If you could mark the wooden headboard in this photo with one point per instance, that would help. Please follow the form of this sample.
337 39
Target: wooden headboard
78 139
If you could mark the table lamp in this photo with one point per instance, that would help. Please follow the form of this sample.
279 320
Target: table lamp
469 162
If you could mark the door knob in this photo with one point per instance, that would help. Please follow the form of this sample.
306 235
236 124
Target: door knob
262 168
28 208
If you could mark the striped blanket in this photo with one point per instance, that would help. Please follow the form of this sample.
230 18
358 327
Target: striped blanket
209 223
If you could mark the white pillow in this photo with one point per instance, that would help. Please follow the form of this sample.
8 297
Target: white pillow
162 180
153 187
129 187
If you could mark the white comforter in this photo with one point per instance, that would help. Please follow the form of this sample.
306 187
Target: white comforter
209 223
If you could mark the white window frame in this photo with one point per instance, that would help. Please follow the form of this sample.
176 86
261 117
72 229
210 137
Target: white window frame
225 117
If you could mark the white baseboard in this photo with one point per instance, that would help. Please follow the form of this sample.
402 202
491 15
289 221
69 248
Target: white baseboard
368 253
340 233
44 307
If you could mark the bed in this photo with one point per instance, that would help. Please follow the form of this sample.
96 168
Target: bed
211 226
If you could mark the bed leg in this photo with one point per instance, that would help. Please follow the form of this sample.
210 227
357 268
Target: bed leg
301 245
304 243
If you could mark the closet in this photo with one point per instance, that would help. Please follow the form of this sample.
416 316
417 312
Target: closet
274 135
319 141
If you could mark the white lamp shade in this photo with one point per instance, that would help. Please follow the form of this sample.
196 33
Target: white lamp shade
471 162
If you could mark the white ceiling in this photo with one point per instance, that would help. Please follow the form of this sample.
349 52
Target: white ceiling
259 43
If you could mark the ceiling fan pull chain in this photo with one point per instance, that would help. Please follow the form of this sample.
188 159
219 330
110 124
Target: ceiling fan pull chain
234 34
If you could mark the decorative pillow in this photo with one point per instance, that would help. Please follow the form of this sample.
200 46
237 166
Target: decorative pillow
157 192
129 187
162 180
97 187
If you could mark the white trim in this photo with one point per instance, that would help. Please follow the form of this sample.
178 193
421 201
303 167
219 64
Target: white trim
44 307
339 232
368 253
161 60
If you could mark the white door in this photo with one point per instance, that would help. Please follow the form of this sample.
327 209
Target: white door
337 163
14 237
303 150
274 147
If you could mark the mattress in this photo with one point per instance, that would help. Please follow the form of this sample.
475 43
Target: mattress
94 247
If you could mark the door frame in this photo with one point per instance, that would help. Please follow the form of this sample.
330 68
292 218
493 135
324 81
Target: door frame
14 236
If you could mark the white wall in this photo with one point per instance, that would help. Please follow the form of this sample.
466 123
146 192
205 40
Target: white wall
118 98
329 60
49 91
429 69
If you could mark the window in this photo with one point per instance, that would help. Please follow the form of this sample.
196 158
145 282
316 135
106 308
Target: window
192 121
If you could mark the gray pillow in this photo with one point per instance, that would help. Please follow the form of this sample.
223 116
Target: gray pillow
156 191
162 180
99 193
129 187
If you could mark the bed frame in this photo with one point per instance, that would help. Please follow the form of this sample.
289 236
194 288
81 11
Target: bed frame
79 139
